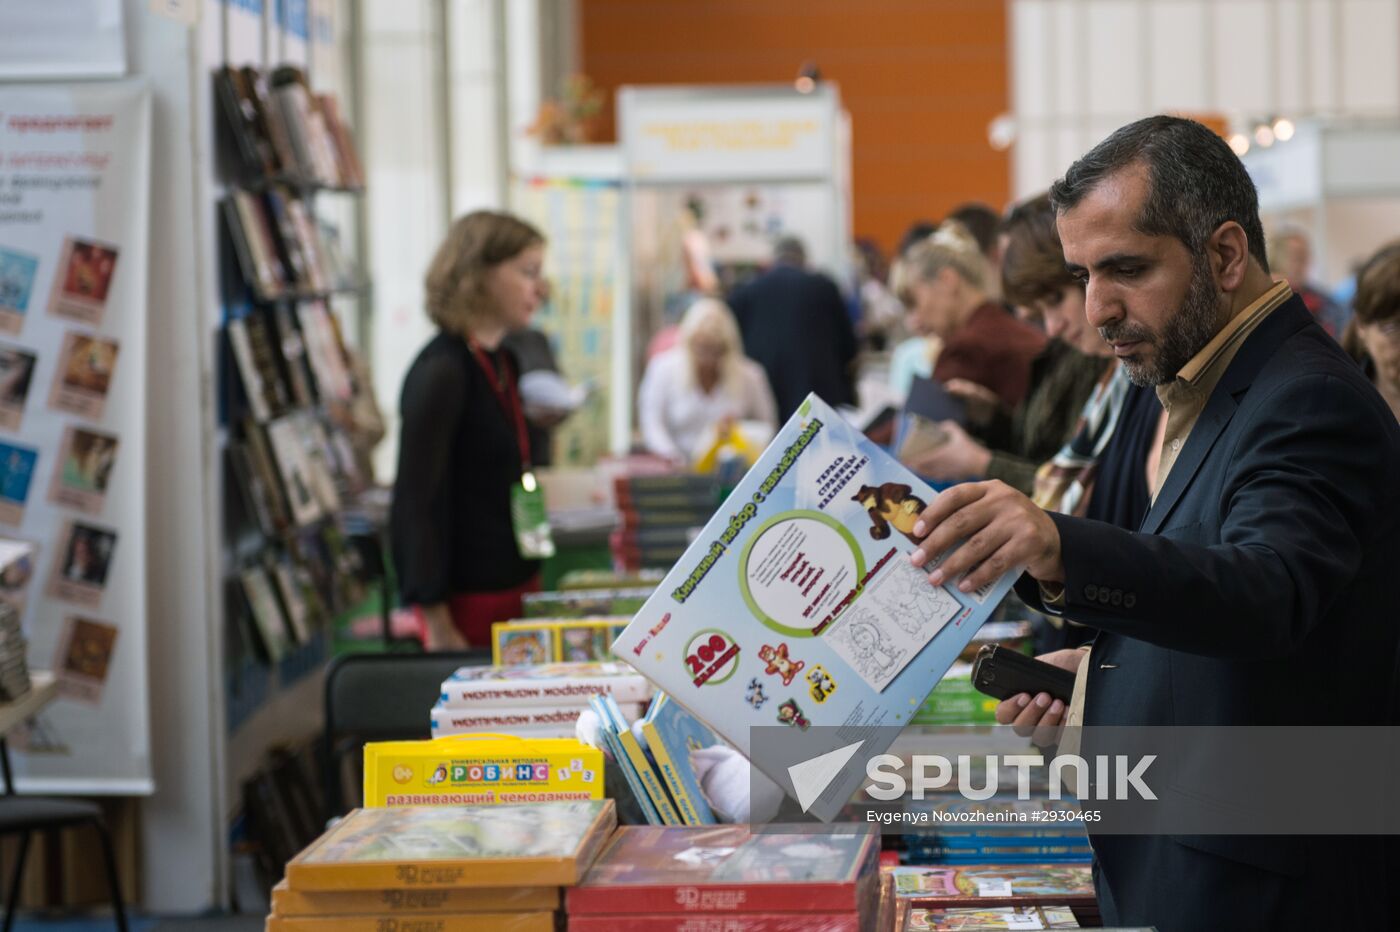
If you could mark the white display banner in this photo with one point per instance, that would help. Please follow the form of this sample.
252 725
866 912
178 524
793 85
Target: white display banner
75 166
61 39
673 135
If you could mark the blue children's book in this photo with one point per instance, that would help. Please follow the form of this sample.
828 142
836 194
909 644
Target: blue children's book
672 733
798 606
641 764
627 752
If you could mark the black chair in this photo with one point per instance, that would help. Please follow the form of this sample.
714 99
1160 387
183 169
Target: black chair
380 697
24 815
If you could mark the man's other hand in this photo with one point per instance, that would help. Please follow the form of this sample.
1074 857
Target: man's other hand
1039 717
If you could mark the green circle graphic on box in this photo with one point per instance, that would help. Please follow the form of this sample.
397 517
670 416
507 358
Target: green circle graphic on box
711 657
796 568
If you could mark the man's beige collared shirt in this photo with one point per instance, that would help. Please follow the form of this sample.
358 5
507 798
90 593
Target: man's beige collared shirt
1185 397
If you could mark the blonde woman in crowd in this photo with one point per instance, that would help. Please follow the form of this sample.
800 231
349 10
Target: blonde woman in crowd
945 281
700 384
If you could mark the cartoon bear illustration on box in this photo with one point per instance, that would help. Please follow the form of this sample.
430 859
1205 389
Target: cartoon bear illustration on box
779 662
891 505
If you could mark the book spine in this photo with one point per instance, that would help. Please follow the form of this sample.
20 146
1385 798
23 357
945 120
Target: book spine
624 764
747 922
290 903
690 815
466 695
649 539
668 484
426 875
650 781
714 899
973 901
539 921
696 501
507 718
650 519
522 723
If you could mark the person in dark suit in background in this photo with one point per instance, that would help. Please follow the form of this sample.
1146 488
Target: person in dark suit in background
794 324
1266 560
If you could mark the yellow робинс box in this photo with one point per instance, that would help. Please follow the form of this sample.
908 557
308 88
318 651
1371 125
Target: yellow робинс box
475 770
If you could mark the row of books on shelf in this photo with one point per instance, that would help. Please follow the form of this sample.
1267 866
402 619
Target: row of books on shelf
287 594
281 129
586 602
286 358
592 580
282 248
293 472
282 804
658 516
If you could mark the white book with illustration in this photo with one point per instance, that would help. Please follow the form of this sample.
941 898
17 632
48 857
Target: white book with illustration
798 606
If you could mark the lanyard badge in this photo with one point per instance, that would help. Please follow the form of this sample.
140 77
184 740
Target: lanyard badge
528 516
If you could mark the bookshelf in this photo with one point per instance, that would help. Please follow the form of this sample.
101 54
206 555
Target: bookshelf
293 478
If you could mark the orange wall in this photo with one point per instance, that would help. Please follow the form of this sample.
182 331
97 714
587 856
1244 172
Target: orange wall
921 79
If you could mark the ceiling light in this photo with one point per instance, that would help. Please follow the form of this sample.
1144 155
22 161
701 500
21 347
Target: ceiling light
1001 132
1283 129
1264 135
1239 143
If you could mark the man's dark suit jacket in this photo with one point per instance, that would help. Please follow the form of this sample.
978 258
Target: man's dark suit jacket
795 326
1260 590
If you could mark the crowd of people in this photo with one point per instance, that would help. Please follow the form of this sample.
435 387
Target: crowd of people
1189 447
991 311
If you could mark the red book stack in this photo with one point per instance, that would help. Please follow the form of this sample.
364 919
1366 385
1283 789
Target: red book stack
728 878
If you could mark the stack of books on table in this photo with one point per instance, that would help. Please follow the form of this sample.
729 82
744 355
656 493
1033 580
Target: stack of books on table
534 701
988 919
657 516
731 879
481 770
16 568
552 640
14 668
586 603
442 869
584 580
997 884
997 896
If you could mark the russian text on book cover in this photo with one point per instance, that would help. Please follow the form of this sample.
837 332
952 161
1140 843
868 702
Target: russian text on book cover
798 605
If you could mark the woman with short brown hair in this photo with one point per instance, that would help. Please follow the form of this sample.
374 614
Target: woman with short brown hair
462 441
1373 336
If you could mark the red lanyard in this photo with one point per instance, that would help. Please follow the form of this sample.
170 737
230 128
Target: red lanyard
509 397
